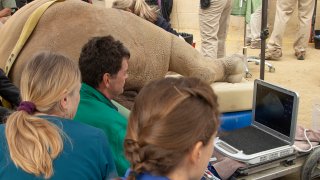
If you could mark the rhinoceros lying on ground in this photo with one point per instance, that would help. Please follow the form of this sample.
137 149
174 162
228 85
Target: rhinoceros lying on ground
66 26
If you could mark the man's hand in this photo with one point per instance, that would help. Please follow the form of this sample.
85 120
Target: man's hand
5 12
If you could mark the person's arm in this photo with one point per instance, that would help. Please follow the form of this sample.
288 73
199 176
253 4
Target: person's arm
164 24
8 90
5 12
105 158
7 5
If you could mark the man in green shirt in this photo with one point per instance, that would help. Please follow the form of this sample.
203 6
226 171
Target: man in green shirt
103 64
6 7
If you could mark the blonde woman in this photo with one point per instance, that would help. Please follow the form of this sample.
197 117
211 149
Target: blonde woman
171 130
143 10
39 140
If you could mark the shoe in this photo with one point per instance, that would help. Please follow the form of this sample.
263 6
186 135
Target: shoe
248 41
273 54
255 44
300 54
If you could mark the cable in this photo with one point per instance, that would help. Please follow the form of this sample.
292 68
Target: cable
310 144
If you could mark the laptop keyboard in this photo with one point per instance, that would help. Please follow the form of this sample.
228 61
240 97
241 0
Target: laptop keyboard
252 140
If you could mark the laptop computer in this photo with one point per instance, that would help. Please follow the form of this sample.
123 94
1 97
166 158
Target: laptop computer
271 133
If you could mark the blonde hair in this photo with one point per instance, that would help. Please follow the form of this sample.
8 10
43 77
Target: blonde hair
33 141
138 7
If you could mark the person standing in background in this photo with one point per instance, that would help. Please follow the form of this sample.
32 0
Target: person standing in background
254 28
214 18
10 93
285 9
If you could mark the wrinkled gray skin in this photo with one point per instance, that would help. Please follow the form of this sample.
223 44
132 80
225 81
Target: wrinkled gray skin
66 26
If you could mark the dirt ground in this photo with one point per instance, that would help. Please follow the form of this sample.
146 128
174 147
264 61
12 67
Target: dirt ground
302 76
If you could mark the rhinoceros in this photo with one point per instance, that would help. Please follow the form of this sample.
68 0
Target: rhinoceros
66 26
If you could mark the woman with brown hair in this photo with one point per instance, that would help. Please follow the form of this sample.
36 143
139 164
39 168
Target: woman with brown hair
39 140
143 10
171 130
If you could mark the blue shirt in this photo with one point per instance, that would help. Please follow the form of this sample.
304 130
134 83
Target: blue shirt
145 176
86 154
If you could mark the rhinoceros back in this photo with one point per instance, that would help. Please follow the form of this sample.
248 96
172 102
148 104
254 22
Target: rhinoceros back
66 26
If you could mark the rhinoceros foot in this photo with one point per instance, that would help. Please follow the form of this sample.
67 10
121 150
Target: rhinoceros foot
234 68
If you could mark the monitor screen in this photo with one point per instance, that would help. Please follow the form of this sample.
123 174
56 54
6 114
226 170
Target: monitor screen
274 109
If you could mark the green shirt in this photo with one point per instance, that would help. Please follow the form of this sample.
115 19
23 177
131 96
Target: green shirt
98 111
248 7
7 4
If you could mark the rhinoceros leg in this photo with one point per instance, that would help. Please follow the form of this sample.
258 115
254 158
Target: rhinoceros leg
127 99
188 61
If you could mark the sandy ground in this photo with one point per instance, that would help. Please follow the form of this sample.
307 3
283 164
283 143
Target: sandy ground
301 76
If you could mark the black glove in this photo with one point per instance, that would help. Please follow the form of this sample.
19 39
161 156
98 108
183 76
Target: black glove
204 4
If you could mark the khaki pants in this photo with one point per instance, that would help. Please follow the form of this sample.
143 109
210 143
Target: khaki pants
254 26
214 23
284 11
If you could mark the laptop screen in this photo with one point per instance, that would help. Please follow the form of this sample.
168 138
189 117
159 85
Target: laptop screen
274 109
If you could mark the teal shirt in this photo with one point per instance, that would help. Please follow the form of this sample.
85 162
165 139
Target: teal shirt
86 154
98 111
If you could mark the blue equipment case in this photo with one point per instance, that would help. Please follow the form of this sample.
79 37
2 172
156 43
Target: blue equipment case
235 120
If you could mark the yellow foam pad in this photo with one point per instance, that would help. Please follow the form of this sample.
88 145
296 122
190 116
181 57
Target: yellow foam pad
232 96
